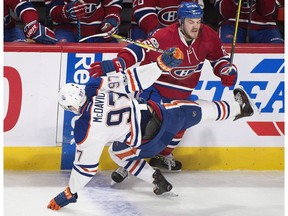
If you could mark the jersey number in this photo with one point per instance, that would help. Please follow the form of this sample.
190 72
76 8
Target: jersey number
115 117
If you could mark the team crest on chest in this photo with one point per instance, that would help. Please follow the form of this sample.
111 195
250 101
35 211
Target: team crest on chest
180 73
90 9
167 16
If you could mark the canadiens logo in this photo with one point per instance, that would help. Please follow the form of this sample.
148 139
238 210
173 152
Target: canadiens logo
167 15
180 73
90 9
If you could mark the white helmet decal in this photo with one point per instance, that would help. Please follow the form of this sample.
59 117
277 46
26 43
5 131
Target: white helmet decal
72 97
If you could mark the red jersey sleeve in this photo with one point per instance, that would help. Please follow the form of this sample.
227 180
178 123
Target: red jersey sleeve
217 55
266 7
24 10
226 8
145 14
113 9
54 9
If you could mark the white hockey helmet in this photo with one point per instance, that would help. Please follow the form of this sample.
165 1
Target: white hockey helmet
72 97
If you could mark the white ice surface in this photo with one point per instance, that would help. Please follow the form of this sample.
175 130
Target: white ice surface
201 193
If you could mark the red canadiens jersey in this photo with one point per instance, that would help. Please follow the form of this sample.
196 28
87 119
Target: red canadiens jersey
262 13
24 10
180 82
97 11
150 14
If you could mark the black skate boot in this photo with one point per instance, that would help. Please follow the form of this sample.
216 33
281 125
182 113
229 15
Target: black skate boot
161 185
166 163
119 175
247 106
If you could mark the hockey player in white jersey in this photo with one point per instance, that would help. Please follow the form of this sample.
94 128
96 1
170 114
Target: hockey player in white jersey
110 112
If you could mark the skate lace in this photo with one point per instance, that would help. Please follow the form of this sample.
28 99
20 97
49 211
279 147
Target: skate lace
170 161
121 171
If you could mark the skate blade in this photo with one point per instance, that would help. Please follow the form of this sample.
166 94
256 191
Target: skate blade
171 193
163 170
113 183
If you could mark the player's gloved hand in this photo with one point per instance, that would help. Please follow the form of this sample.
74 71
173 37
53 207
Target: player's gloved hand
228 75
74 10
172 57
41 34
110 26
62 199
102 68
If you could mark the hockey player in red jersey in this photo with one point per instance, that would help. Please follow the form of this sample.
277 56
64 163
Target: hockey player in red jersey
198 42
143 127
149 15
256 22
73 19
26 12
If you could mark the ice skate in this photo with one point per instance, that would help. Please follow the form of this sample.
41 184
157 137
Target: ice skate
118 175
161 185
248 107
165 163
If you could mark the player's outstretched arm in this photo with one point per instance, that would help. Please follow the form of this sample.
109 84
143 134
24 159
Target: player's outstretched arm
142 77
171 57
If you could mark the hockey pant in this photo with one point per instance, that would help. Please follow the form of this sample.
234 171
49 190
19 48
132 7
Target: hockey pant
153 94
174 119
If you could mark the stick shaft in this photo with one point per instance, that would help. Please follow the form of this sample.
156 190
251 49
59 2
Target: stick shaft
79 30
128 40
79 24
92 36
249 21
138 43
235 33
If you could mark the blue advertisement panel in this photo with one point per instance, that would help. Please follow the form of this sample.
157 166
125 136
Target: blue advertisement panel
76 72
262 77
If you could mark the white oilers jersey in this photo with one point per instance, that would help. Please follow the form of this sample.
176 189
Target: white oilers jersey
107 117
114 117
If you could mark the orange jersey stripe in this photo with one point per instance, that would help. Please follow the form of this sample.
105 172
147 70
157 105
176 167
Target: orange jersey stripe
87 170
183 101
177 102
131 134
134 166
131 80
126 154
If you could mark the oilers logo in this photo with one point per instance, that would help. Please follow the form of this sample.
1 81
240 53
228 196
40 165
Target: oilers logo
167 15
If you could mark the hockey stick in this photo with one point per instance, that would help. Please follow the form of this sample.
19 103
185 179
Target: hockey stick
92 36
138 43
79 24
249 21
79 30
235 34
128 40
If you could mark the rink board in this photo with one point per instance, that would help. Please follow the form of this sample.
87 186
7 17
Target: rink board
37 133
192 158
